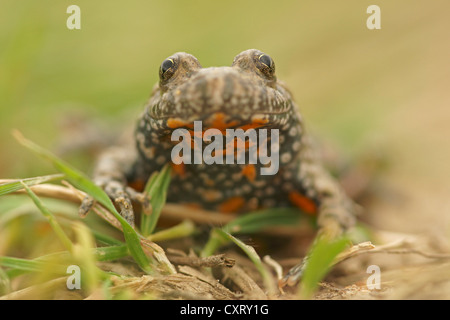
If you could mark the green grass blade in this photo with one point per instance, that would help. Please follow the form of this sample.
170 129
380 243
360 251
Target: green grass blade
51 219
82 182
215 241
21 264
320 260
101 254
110 253
48 268
106 239
156 190
82 253
253 222
75 177
5 283
254 257
13 186
13 273
259 220
183 229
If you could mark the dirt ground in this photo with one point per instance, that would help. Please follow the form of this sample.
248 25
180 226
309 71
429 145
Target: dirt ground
415 199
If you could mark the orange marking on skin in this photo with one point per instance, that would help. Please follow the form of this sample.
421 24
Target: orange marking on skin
218 121
137 185
257 123
175 123
211 195
302 202
178 169
238 146
192 205
232 205
249 172
210 182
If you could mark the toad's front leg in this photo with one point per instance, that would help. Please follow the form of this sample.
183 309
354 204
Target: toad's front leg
336 212
112 173
333 221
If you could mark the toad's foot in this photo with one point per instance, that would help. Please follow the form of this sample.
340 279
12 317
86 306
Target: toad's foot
122 197
331 228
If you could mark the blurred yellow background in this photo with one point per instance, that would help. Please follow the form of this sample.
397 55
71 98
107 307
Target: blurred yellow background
356 87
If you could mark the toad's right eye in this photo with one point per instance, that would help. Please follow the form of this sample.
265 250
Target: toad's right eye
167 69
166 65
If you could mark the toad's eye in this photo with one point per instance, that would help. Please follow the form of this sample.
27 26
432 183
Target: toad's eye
166 65
265 59
167 69
265 64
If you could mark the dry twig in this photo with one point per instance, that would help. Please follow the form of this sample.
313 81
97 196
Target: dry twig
207 262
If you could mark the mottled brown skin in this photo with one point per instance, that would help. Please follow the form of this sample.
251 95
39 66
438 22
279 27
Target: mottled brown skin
245 95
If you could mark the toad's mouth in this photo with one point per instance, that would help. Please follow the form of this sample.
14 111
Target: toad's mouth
222 121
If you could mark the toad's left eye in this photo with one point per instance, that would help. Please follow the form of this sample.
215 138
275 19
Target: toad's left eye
167 69
166 65
265 64
265 59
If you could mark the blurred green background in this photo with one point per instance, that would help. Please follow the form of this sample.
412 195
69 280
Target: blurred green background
358 88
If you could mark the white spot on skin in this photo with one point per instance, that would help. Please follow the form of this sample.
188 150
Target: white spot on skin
228 183
188 186
269 203
212 195
199 190
236 176
252 204
287 175
161 160
149 152
306 183
310 193
285 157
270 191
259 193
246 188
288 186
221 176
259 183
293 131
